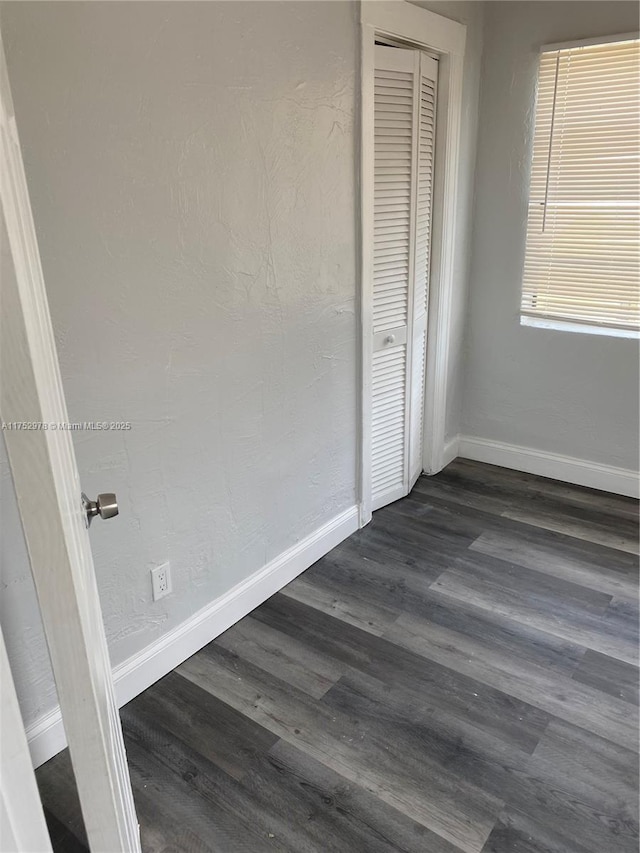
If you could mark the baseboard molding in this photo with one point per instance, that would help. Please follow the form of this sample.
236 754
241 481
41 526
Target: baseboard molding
451 450
582 472
46 736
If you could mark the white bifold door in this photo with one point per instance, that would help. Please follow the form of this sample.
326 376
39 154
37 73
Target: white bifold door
404 128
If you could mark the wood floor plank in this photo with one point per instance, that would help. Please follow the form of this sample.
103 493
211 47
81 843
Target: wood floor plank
59 794
518 832
552 594
208 726
358 752
191 775
583 787
585 796
588 530
622 619
346 607
297 803
557 607
439 528
478 484
282 656
609 675
595 811
465 485
591 768
440 688
449 679
61 837
173 819
576 703
518 643
360 822
451 744
545 557
594 827
373 584
398 587
494 490
386 543
479 519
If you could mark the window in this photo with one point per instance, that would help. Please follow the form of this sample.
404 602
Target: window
581 262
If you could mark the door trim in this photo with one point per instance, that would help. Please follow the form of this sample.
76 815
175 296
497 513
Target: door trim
47 489
22 825
414 27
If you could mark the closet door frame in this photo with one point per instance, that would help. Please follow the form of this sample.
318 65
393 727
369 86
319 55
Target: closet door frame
444 39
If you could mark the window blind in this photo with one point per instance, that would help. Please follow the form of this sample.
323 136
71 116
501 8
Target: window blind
582 250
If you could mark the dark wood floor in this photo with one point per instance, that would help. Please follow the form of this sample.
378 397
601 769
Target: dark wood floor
461 675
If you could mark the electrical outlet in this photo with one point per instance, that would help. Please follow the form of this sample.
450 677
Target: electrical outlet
161 581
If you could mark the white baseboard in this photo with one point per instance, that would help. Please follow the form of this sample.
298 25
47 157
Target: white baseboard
582 472
46 736
451 450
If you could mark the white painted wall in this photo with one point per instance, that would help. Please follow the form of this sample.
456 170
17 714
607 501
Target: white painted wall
192 174
559 392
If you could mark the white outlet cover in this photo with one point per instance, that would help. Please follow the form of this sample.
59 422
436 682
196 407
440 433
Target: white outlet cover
161 581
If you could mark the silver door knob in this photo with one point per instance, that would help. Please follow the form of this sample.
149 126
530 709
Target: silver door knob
106 506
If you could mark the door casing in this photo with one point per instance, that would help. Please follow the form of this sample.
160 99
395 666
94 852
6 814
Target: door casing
22 824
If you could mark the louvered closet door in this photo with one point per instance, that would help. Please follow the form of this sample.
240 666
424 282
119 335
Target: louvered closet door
404 102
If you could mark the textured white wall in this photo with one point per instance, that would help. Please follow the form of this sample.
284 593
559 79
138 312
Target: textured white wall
567 393
192 174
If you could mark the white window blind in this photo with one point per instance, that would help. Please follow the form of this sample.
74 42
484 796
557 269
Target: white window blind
581 262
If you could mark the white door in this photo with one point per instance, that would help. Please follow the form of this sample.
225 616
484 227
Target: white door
404 133
47 488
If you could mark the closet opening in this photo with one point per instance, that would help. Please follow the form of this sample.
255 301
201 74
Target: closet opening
405 86
411 81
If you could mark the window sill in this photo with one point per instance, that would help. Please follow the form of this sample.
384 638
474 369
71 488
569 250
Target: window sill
581 328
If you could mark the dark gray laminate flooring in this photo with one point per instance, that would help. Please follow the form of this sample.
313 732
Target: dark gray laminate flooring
461 675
